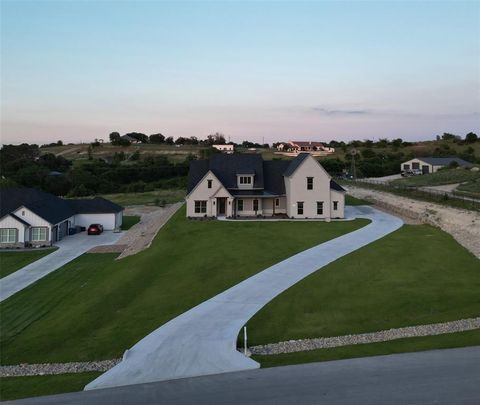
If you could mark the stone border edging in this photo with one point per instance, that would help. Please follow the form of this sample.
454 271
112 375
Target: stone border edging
301 345
291 346
24 370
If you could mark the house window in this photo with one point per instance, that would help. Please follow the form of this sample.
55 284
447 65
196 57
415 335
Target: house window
245 180
39 234
415 165
23 213
8 235
335 205
309 183
200 207
406 167
319 207
255 205
209 183
277 202
300 208
240 205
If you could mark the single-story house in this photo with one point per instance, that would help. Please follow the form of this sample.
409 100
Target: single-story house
246 185
130 139
431 164
224 148
31 217
309 146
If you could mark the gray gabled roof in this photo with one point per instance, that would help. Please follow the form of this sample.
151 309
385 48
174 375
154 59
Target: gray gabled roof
50 207
47 206
295 163
444 161
269 174
97 205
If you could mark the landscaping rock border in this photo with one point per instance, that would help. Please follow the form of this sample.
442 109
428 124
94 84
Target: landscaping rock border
301 345
291 346
24 370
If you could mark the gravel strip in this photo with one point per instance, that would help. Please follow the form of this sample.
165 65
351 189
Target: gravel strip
140 236
23 370
291 346
301 345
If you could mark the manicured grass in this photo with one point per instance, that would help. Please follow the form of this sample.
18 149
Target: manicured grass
349 200
12 261
447 341
444 176
148 198
128 221
24 387
94 308
416 275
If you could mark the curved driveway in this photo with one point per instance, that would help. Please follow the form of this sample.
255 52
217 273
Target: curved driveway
202 341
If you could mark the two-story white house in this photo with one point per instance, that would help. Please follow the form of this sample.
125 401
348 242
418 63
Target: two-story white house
245 185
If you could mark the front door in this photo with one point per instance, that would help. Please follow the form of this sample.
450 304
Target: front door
425 169
221 206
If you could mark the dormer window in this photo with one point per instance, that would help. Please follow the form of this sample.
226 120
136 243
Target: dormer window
245 180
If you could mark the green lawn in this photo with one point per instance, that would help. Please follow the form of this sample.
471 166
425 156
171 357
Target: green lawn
445 176
24 387
416 275
447 341
11 261
94 307
349 200
128 221
147 198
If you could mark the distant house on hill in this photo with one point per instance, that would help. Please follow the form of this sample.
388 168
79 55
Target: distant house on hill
432 164
224 148
130 139
245 185
30 217
304 146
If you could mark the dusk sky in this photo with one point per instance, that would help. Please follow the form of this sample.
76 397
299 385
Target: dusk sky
78 70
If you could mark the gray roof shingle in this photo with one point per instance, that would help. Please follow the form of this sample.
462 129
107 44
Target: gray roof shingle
444 161
269 174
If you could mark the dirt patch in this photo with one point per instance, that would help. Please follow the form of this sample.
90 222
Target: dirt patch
463 225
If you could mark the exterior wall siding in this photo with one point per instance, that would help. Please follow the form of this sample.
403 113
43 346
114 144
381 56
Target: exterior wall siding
296 187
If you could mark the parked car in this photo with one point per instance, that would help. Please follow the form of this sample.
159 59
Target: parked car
411 172
95 229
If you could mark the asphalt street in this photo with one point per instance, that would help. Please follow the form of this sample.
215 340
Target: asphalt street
433 377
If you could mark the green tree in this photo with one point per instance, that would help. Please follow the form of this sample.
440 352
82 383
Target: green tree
471 137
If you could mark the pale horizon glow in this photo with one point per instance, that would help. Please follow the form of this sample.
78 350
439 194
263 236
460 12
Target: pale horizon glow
259 71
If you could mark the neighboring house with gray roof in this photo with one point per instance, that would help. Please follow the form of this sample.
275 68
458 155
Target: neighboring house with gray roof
31 217
432 164
245 185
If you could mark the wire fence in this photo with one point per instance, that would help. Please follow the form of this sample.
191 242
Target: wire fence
451 198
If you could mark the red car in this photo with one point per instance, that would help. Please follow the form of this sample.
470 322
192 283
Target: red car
95 229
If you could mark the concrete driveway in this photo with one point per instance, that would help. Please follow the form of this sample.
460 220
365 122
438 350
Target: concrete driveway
433 377
202 341
68 249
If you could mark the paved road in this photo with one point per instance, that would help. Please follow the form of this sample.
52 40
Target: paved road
434 377
203 340
68 249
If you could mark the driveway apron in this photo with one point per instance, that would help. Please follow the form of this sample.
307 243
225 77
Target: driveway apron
202 341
